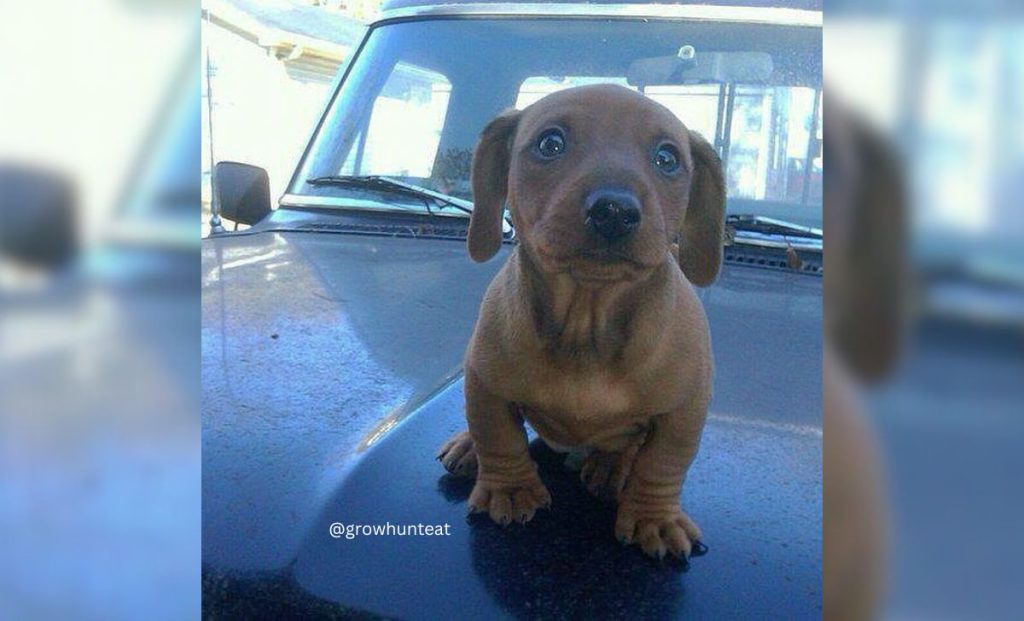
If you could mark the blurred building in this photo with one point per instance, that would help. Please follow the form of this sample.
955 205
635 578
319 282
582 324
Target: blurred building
365 10
271 64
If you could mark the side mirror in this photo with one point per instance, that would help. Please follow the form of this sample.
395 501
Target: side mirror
38 217
243 192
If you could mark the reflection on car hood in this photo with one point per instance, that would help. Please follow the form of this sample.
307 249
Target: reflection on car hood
331 370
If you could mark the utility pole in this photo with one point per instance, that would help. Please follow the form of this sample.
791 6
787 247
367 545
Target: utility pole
216 226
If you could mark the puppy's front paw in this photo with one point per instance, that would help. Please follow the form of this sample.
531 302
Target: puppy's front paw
506 502
658 530
458 455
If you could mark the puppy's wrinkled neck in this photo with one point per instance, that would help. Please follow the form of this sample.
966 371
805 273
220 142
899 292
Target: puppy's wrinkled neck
581 319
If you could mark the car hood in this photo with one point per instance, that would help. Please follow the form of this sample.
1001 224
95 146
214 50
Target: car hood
331 374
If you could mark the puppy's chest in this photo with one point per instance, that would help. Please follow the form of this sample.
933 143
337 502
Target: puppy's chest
593 409
596 395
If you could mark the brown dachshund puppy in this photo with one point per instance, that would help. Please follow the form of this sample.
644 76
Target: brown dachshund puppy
592 331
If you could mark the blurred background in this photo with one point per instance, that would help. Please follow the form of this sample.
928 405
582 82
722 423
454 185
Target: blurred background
99 309
106 121
105 150
926 232
270 64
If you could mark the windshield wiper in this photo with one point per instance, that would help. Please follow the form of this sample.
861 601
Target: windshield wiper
394 186
385 184
762 231
761 224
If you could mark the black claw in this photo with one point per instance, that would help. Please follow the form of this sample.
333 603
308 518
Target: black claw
699 549
680 563
505 520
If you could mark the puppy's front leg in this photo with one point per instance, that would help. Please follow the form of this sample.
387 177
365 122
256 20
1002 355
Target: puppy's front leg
507 485
649 512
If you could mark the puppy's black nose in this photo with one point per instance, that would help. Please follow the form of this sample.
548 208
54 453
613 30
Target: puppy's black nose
613 214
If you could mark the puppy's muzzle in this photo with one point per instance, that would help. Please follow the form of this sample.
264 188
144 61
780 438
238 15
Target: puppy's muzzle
612 214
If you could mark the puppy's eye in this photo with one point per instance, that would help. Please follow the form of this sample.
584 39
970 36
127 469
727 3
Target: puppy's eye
551 143
667 159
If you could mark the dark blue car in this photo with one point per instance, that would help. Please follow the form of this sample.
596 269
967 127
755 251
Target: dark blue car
334 330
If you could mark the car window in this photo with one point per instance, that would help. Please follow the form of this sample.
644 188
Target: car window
535 88
696 105
413 103
405 126
770 141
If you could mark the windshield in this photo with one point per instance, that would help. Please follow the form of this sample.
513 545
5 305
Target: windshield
419 93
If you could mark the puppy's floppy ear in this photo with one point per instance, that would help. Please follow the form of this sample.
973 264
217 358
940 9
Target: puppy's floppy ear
489 177
867 261
700 240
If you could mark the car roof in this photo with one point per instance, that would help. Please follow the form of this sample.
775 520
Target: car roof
810 5
794 12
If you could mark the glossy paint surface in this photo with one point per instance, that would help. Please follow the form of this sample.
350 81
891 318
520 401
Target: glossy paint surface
331 373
